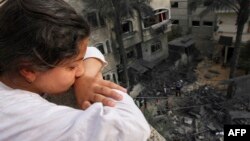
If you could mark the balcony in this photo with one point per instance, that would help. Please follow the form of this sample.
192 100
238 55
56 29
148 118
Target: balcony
157 29
161 27
128 35
131 38
224 11
159 23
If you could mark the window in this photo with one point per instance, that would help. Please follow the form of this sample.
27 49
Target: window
102 21
207 2
114 78
95 20
159 16
174 4
208 23
155 47
195 23
175 22
248 30
92 19
130 54
127 27
162 17
108 46
101 48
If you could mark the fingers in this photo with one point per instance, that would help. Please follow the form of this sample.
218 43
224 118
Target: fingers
108 92
85 105
96 90
106 101
98 98
112 85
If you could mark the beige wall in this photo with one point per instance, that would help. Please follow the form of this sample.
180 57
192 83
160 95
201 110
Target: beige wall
228 27
157 4
159 55
77 4
228 23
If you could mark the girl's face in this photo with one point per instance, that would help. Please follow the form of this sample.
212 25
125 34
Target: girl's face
62 77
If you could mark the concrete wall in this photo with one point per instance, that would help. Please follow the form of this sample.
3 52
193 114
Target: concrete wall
181 14
77 4
243 88
227 27
158 4
203 30
150 37
158 55
185 20
133 38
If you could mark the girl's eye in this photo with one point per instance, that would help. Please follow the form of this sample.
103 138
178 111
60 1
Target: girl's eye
72 68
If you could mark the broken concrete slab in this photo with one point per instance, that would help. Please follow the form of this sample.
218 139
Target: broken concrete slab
194 114
180 130
201 137
211 127
213 71
239 115
188 120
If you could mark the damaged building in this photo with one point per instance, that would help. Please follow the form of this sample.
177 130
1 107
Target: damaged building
144 38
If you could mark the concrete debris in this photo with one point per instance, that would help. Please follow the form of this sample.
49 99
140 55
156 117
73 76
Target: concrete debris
239 114
211 127
194 115
213 71
201 137
188 120
199 113
175 118
202 115
180 130
170 113
209 75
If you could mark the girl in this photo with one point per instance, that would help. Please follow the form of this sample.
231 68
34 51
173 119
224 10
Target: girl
42 44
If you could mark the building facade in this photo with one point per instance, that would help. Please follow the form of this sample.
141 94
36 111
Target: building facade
194 22
144 38
226 34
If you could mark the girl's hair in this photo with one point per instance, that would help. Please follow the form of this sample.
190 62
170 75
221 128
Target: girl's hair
38 34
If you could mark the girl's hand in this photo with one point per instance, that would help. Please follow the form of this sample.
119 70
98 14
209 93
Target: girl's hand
91 88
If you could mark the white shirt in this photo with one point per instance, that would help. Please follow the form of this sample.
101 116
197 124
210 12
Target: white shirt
27 116
93 52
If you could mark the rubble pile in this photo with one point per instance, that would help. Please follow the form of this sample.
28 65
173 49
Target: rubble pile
199 114
202 112
165 77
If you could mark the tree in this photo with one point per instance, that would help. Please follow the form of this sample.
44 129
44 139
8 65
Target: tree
244 61
115 11
242 9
